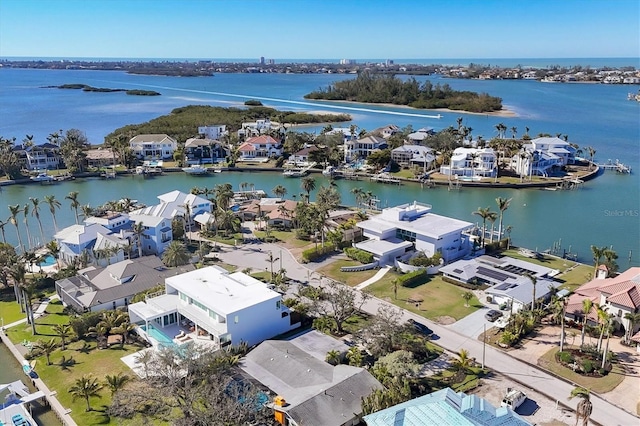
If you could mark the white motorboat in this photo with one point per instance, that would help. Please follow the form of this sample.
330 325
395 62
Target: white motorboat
295 173
43 177
195 169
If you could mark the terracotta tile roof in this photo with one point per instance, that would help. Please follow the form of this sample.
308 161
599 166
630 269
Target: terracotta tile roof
629 297
262 139
246 147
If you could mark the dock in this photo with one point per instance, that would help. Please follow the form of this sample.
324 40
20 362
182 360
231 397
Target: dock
617 166
385 178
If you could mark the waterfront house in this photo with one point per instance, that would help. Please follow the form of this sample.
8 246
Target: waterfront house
301 158
277 212
100 157
408 155
420 136
263 146
215 131
413 227
257 128
618 296
445 407
543 156
94 239
98 288
386 131
153 147
471 162
363 147
204 151
38 157
157 234
176 204
223 307
309 390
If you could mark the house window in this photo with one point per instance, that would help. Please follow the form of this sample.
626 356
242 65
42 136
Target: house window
619 313
278 305
236 319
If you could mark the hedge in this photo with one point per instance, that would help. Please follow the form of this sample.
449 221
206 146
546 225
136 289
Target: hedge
314 254
412 277
361 256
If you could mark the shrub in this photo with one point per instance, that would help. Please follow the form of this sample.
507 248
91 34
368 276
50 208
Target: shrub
565 357
422 260
587 366
253 102
81 324
314 254
411 278
359 255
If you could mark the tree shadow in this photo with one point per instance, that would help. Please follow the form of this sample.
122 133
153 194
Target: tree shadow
102 417
66 363
85 348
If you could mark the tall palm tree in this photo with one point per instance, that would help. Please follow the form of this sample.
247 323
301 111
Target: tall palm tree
86 387
224 195
308 185
463 362
176 254
36 212
74 203
610 257
587 305
46 347
603 319
53 205
503 205
138 233
484 214
592 153
63 331
25 212
597 252
15 210
534 281
358 193
2 225
632 320
585 406
492 217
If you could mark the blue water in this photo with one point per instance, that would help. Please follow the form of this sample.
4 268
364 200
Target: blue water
158 335
603 213
48 261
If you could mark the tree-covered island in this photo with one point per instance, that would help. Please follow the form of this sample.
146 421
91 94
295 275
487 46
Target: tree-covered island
86 88
389 89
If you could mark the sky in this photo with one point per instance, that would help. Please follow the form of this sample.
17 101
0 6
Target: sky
320 29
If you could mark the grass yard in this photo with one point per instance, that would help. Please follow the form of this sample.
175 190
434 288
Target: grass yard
546 260
439 298
575 277
595 384
9 308
287 237
44 325
349 278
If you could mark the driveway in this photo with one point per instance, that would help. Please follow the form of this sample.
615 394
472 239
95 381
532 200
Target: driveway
473 325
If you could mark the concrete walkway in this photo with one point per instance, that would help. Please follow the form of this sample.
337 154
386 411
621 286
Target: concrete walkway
377 277
604 412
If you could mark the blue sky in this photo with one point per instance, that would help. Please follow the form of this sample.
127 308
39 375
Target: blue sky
323 29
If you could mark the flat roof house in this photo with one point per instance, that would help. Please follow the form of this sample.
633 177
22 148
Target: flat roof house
227 308
407 227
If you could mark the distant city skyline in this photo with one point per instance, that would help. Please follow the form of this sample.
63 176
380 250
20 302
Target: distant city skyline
328 29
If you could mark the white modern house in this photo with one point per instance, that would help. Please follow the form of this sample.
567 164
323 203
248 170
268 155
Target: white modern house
226 308
215 131
153 147
363 147
39 157
301 158
256 128
413 227
543 155
471 162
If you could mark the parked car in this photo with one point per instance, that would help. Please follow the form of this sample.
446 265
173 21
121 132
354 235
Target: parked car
492 315
420 328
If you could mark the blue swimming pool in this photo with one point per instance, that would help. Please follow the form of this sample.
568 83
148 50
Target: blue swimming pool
47 261
158 335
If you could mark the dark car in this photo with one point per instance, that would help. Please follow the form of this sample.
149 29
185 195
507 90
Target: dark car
492 315
420 328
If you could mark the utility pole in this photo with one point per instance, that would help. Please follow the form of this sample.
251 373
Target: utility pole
484 343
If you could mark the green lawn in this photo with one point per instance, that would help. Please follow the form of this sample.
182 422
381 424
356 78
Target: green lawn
595 384
9 308
576 277
349 278
287 237
439 298
44 325
546 260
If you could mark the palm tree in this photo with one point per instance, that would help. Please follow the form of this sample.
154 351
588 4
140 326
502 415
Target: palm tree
85 387
308 185
597 252
63 331
144 357
116 382
467 296
47 348
610 257
14 210
484 214
534 281
2 225
74 203
463 362
333 357
358 193
25 212
514 132
36 212
503 205
279 191
632 320
354 356
603 319
138 233
492 217
592 153
584 407
587 305
560 306
176 254
53 205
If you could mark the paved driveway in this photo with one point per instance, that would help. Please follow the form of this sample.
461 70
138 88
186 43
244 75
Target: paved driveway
473 324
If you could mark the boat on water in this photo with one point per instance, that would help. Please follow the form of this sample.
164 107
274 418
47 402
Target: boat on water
43 178
329 171
634 96
295 173
195 170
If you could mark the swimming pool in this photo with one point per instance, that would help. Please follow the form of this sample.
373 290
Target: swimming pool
48 260
158 335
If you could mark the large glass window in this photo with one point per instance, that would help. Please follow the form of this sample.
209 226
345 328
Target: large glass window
405 235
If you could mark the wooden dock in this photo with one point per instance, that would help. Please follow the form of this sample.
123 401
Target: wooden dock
617 166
